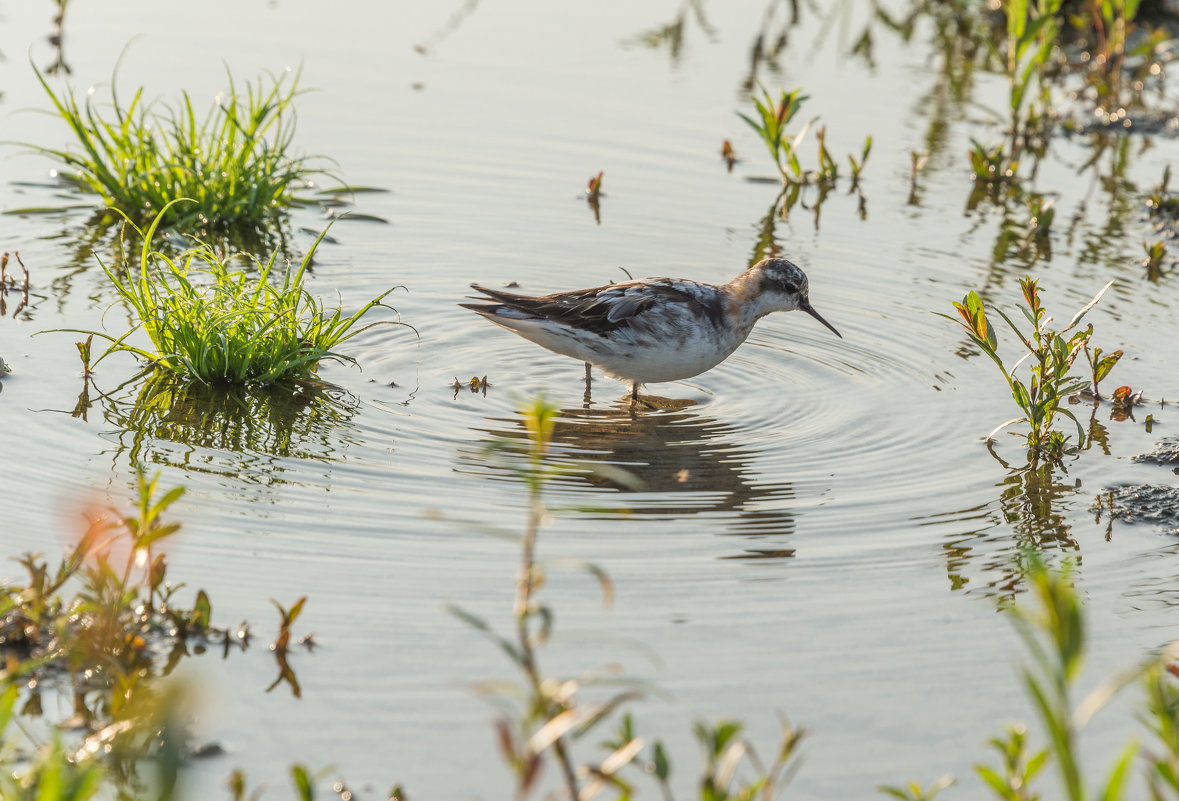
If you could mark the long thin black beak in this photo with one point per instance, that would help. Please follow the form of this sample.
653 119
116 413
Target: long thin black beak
809 309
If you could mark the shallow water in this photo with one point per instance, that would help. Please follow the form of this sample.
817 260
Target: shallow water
820 530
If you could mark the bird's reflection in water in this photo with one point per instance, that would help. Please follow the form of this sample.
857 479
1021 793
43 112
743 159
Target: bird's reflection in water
686 464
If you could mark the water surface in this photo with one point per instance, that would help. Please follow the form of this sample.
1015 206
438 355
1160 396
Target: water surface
819 531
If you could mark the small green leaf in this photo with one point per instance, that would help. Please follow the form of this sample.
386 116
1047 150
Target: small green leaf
303 783
202 611
295 610
994 780
661 763
1020 393
1106 364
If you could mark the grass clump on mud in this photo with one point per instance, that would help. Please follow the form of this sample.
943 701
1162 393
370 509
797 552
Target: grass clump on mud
98 635
215 324
235 161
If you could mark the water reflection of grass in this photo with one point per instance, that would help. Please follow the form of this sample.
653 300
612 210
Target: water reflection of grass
289 420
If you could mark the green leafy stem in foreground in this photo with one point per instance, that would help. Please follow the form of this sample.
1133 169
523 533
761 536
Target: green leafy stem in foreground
217 325
544 716
1052 628
1050 354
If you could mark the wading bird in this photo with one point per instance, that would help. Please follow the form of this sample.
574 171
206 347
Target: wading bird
652 329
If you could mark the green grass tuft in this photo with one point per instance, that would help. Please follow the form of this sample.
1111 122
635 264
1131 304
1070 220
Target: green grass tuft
220 325
235 162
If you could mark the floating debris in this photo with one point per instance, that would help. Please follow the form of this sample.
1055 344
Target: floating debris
477 385
593 190
728 154
1124 400
593 193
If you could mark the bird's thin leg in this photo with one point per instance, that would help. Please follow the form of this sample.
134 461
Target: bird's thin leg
634 390
586 399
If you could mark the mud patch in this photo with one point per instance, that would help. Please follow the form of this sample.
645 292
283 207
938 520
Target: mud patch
1141 503
1165 453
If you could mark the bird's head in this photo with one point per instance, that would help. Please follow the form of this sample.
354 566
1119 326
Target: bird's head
784 287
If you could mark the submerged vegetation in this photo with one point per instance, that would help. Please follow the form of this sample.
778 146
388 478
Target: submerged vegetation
210 323
236 162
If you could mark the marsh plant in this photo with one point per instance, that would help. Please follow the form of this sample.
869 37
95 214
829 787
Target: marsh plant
211 322
770 123
1052 627
103 630
1050 356
101 627
236 160
544 718
1031 30
124 605
1045 42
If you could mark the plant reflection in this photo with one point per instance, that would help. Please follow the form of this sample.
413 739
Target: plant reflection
770 41
57 39
1030 517
685 464
1028 225
1029 520
671 35
294 421
811 197
19 289
452 24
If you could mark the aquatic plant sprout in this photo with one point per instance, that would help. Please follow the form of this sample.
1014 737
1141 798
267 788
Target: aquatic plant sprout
1050 356
235 162
770 125
217 325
